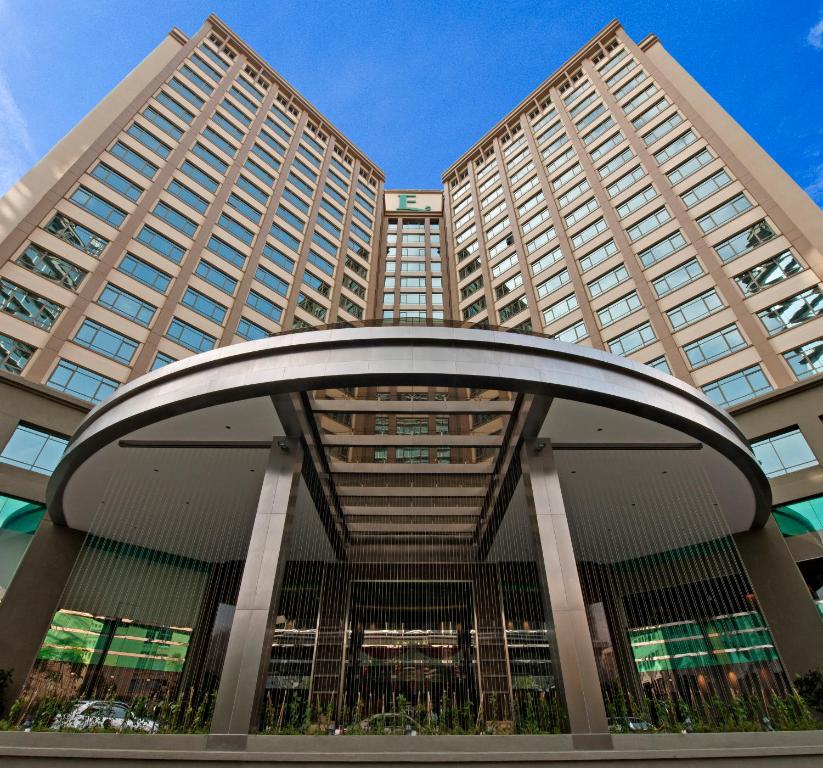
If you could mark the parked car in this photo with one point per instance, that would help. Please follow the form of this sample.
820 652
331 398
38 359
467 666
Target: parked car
391 723
114 715
629 725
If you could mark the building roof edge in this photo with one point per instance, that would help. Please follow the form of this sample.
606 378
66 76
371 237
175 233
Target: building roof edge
611 27
256 58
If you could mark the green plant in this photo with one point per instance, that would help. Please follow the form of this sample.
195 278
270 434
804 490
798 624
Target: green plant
810 686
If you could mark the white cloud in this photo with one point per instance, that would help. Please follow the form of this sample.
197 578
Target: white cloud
17 152
815 36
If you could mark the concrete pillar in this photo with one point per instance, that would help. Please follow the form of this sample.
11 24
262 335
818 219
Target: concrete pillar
247 650
33 598
581 685
784 598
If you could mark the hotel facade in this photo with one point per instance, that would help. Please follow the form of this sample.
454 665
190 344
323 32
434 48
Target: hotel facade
537 451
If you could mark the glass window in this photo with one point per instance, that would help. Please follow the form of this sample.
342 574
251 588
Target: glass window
161 244
195 174
767 273
222 144
632 340
163 123
98 207
325 244
216 277
149 140
161 359
677 277
34 448
783 453
714 346
81 382
228 126
201 64
589 233
283 261
694 309
204 305
191 75
264 306
793 311
52 267
807 359
600 151
106 341
674 147
188 196
560 309
553 283
117 182
323 288
724 213
320 263
174 107
14 354
598 255
243 208
271 280
76 235
618 161
661 129
662 249
619 309
706 188
573 333
144 272
27 306
513 308
243 99
226 252
580 213
175 219
251 331
285 237
126 304
608 280
260 173
252 189
690 166
661 364
474 308
649 224
190 337
210 158
266 157
236 228
187 93
798 517
637 201
744 241
625 181
738 387
311 306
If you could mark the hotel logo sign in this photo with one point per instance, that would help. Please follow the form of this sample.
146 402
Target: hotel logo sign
414 202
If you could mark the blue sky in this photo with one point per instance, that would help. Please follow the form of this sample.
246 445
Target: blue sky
415 83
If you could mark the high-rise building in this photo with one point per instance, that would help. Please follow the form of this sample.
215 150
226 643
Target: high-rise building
205 203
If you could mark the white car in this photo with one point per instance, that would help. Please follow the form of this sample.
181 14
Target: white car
113 715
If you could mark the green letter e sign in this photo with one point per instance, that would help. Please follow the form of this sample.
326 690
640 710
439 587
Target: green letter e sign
407 202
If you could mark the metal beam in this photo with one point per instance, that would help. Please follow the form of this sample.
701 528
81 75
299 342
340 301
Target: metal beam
381 468
412 441
443 407
448 491
428 512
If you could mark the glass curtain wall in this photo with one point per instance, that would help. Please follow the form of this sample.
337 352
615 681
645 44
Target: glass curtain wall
142 626
679 637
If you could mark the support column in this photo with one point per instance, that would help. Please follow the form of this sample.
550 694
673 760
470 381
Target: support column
247 651
784 597
33 598
581 685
